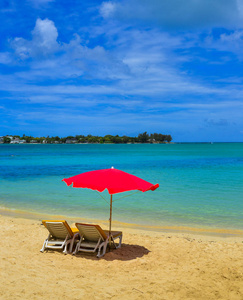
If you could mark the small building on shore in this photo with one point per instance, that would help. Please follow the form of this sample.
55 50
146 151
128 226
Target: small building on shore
15 141
71 141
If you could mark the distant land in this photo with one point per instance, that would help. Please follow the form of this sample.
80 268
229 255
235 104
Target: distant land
154 138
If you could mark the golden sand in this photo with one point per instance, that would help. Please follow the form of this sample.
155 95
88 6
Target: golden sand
149 265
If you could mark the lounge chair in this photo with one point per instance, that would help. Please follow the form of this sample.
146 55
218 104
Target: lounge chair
93 237
60 236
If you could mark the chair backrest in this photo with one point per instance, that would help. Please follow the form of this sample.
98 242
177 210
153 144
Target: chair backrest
91 232
58 229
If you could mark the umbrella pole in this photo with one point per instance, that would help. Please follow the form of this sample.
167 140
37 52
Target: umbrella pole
110 222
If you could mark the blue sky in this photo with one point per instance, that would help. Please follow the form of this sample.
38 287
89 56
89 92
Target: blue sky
122 67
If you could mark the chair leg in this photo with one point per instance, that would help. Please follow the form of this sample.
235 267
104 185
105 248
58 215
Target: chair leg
76 236
104 246
66 245
120 241
44 246
77 247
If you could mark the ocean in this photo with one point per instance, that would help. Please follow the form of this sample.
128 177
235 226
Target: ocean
201 185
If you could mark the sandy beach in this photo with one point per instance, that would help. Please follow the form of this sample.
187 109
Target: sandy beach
150 265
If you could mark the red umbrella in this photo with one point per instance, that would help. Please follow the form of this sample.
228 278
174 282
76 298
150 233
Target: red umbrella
115 181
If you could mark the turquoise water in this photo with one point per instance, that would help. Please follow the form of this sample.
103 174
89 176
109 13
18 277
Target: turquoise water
201 185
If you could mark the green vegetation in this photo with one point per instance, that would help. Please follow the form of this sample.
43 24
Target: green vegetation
6 140
90 139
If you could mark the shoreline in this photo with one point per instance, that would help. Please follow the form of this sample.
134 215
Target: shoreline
211 233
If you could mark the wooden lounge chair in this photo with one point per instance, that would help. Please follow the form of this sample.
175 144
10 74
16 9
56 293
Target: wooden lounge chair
60 236
93 237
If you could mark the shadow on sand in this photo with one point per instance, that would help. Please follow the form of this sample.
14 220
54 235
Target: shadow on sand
126 252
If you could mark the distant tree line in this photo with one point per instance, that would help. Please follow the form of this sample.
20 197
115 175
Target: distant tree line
91 139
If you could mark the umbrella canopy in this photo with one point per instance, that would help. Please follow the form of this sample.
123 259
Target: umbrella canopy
115 181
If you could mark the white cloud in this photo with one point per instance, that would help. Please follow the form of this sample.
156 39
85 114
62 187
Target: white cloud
176 14
44 41
218 122
65 60
230 41
107 9
139 64
236 36
45 35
